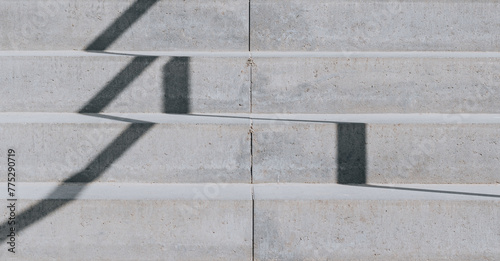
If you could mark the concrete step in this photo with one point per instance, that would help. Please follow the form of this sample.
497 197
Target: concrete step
137 82
274 82
160 148
376 148
149 25
125 221
263 148
376 82
406 222
319 25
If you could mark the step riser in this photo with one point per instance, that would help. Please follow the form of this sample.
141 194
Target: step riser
282 152
375 153
250 130
376 230
132 230
124 84
320 25
295 221
177 152
124 25
128 221
223 25
280 85
376 85
370 222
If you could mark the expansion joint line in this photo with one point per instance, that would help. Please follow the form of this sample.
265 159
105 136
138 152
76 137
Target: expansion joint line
251 167
253 224
251 64
249 24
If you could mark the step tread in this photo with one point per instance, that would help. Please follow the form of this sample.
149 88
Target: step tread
131 191
377 192
245 191
243 118
255 54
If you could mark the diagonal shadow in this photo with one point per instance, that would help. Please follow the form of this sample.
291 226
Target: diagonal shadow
176 84
120 25
91 172
176 87
431 191
119 83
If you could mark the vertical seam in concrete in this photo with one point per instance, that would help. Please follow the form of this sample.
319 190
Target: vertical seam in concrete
253 224
251 181
249 23
251 151
251 82
251 128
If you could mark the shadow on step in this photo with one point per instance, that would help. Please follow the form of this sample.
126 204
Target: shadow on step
120 25
176 100
90 173
351 153
431 191
176 82
118 84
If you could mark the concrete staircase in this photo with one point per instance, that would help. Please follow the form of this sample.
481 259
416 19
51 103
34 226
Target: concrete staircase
250 130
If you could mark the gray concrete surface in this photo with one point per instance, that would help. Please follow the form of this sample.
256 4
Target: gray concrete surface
171 149
124 25
328 97
375 85
171 223
294 152
319 25
308 151
67 82
335 222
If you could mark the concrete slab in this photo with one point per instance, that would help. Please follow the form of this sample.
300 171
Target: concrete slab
321 222
161 222
153 25
124 83
338 25
345 152
119 149
374 84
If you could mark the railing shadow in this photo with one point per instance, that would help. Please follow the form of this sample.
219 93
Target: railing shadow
351 153
351 146
176 82
118 84
90 173
430 191
176 87
120 25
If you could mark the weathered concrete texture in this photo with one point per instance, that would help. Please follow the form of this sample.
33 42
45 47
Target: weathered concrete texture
124 25
386 226
118 83
114 229
376 85
320 25
291 151
433 153
184 150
